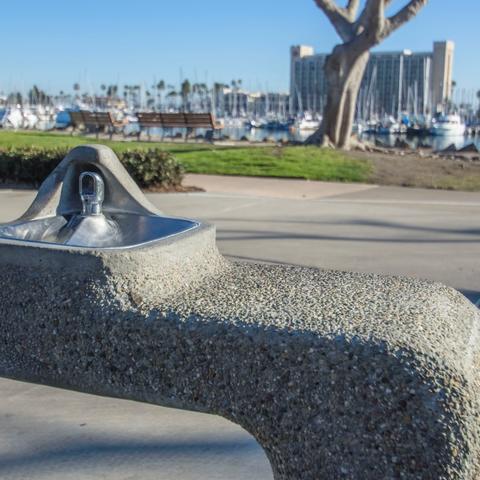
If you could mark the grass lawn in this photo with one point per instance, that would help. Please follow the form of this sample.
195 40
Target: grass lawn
310 163
290 162
9 138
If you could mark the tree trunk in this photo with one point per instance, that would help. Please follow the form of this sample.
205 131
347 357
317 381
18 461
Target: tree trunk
344 71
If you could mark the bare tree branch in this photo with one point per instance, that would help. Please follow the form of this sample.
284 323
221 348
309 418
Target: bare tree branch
371 22
338 18
352 9
404 15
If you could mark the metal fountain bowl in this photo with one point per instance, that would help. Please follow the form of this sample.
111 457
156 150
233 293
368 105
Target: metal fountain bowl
90 201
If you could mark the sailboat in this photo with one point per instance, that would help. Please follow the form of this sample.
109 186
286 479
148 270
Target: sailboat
13 118
308 122
448 126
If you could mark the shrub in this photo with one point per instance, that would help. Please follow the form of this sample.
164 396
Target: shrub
28 165
152 168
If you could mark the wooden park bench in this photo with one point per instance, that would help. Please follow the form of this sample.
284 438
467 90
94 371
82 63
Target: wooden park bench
76 119
188 121
98 121
147 121
95 121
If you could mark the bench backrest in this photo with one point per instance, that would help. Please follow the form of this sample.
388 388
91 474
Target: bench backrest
150 119
176 120
98 119
76 118
199 120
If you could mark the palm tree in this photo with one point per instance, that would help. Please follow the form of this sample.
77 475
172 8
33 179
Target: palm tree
478 112
112 91
160 87
172 96
126 93
202 93
76 88
150 99
450 102
135 94
186 90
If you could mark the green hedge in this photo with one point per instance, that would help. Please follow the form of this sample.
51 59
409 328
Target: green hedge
152 168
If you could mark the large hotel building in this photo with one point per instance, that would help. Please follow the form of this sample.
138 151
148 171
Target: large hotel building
394 82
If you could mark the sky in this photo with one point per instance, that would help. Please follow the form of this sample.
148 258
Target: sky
55 43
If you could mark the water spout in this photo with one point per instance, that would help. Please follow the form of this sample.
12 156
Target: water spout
92 193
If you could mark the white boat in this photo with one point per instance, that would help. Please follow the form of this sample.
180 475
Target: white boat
46 117
30 119
14 118
3 116
448 126
307 122
389 126
358 129
234 122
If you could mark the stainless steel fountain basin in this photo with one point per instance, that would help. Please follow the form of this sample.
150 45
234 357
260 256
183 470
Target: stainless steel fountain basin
90 202
111 230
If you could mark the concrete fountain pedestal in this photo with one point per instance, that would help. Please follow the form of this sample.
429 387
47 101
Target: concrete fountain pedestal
336 374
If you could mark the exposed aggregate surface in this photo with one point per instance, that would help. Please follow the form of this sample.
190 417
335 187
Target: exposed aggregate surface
337 375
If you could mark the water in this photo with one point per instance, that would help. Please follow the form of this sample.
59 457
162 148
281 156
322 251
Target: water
437 143
233 133
261 134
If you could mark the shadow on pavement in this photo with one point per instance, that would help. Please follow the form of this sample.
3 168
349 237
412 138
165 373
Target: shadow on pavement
472 295
235 235
360 223
108 454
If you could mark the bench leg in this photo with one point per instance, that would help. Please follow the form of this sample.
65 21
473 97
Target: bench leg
209 136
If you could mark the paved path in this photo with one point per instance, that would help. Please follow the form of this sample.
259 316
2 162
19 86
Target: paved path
52 434
272 187
425 233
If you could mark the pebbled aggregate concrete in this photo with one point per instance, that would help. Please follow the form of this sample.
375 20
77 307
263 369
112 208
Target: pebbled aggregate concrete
336 374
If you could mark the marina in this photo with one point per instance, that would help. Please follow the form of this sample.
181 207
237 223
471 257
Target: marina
439 134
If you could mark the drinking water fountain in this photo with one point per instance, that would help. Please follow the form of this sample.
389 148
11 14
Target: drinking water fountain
336 374
90 201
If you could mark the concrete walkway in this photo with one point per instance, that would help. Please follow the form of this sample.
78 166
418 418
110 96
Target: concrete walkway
52 434
272 187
